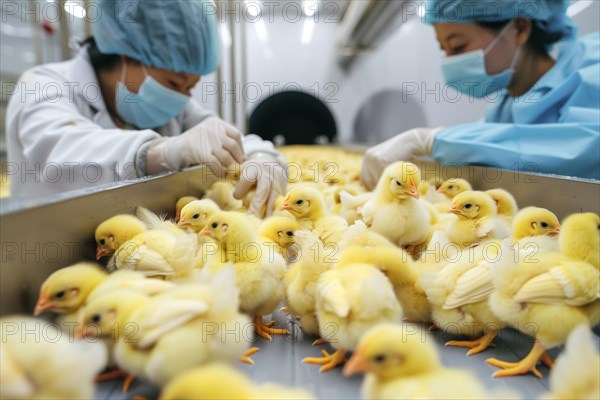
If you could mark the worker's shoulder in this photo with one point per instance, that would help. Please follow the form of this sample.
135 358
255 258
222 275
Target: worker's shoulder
52 72
591 49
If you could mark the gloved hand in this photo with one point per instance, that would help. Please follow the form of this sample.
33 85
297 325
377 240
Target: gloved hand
213 142
402 147
268 174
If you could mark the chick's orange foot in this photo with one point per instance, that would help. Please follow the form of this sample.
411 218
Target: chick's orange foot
526 365
328 361
265 330
477 345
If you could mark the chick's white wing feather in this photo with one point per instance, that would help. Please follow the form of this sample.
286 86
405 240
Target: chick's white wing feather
333 295
167 315
145 260
572 283
15 383
474 285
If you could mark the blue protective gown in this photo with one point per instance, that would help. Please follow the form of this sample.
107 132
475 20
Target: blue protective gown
554 128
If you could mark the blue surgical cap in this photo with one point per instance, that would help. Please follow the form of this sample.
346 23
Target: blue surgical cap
549 15
178 35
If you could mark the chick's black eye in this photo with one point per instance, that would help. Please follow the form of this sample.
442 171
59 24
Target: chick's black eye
299 202
544 224
290 233
96 318
195 216
60 294
379 358
468 205
398 183
102 242
214 225
451 187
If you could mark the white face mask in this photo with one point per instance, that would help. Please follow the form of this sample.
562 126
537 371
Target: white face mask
467 73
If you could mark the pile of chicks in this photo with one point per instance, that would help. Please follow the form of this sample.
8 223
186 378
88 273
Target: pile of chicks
467 262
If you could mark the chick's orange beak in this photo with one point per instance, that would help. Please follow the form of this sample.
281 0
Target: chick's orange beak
100 252
441 189
555 231
454 210
183 222
355 365
43 305
412 192
286 207
177 216
80 332
205 232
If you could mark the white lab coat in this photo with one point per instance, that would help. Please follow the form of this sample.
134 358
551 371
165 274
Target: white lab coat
60 136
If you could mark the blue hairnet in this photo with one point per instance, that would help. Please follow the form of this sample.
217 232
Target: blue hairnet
549 15
178 35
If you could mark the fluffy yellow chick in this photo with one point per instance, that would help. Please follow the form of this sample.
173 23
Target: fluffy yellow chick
66 290
182 202
185 327
576 373
402 272
279 232
477 219
400 364
115 231
454 186
536 226
395 210
301 279
553 291
259 269
195 214
221 192
307 205
158 253
131 280
37 361
218 381
350 299
506 205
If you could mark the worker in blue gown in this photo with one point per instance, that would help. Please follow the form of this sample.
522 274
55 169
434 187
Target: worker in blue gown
543 114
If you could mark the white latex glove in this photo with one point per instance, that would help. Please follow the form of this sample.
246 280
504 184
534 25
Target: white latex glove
268 175
402 147
213 142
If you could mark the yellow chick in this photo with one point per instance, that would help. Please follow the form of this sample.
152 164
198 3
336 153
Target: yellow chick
182 202
402 272
307 205
279 232
534 226
351 298
131 280
395 210
259 269
301 279
38 361
400 364
218 381
454 186
506 205
195 214
221 192
115 231
66 290
476 220
552 291
576 373
185 327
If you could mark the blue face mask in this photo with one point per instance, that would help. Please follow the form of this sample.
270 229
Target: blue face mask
152 106
467 74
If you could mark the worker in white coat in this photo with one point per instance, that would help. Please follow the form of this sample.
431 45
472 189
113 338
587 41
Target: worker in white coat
543 114
121 108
